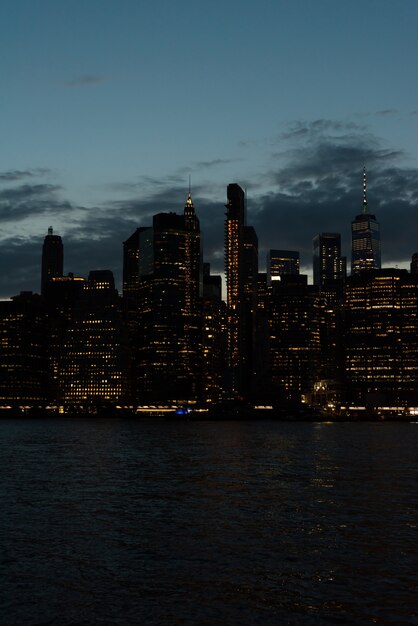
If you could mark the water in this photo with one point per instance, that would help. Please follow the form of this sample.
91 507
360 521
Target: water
151 522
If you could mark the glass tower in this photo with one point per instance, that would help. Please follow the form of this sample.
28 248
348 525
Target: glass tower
365 238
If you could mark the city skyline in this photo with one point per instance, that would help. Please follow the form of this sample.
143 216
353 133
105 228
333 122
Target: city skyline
106 113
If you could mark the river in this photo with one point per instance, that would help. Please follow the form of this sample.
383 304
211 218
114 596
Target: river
112 521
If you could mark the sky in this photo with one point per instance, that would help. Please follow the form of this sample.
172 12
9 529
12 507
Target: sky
108 107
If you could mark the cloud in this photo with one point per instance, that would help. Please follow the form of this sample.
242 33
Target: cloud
214 163
15 175
85 80
319 188
302 129
22 258
315 186
28 201
387 112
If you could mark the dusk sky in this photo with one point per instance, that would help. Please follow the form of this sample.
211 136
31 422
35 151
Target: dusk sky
107 108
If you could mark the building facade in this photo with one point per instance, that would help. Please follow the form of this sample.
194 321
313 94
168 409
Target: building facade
92 372
24 368
294 339
328 264
381 337
281 262
241 270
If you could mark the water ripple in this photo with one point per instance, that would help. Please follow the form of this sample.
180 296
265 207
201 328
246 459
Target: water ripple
124 522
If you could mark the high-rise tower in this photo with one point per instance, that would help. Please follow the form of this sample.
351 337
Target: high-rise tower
280 262
241 268
328 264
381 338
168 344
365 237
92 356
52 258
234 224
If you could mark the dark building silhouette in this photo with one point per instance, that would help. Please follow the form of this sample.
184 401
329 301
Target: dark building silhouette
241 269
235 220
294 339
249 270
130 280
214 337
328 264
365 239
130 298
414 263
24 368
329 378
61 296
169 343
52 258
261 388
92 360
281 262
381 328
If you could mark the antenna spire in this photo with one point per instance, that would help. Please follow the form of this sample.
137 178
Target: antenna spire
364 192
189 201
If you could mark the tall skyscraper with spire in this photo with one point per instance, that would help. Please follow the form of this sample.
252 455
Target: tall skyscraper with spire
166 364
365 239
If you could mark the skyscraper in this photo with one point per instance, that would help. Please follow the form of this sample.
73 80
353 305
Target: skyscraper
241 269
235 220
293 342
213 336
365 237
280 262
91 369
169 342
61 296
328 264
24 368
381 336
52 258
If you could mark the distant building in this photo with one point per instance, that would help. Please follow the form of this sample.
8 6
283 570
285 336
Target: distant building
92 359
130 280
294 340
329 376
328 264
52 258
280 262
414 263
134 249
365 239
381 336
24 369
249 271
214 336
241 269
168 348
61 296
261 387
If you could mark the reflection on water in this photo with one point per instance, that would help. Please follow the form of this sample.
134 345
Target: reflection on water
152 522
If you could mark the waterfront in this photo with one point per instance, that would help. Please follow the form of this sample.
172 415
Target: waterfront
156 522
